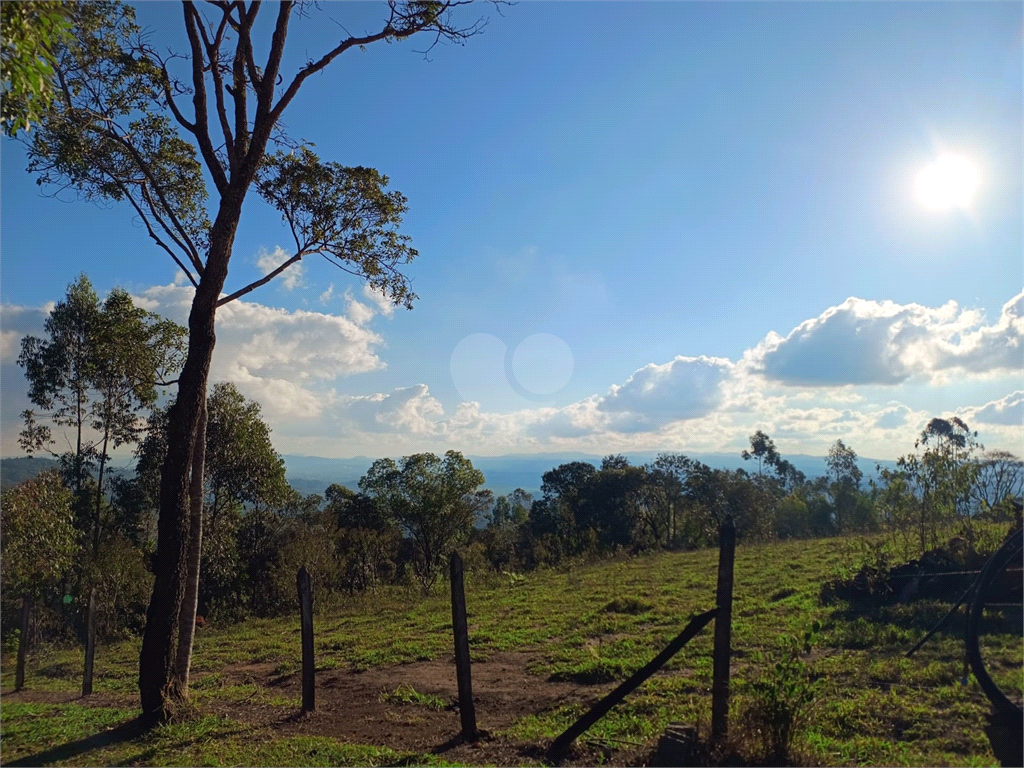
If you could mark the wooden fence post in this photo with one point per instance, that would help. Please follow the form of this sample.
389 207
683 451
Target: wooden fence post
723 633
460 628
560 746
90 642
305 588
19 673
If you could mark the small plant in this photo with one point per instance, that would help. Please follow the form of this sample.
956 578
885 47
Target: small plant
628 605
782 697
406 694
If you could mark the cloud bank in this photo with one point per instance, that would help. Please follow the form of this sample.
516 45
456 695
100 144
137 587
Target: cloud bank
818 383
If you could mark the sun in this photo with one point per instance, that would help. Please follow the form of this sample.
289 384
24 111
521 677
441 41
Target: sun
949 181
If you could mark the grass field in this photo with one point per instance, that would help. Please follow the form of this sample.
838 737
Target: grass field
384 660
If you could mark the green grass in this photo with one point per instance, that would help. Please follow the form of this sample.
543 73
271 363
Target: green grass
406 694
590 624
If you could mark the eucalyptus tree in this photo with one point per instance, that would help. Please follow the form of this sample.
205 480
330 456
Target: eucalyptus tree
124 126
846 476
97 369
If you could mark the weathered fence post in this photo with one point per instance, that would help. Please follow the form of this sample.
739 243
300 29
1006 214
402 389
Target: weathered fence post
305 587
19 673
559 748
460 629
723 633
90 642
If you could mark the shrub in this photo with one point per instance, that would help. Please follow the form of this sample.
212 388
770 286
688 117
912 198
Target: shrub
780 699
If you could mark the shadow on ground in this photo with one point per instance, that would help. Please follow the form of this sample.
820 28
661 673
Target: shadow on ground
126 731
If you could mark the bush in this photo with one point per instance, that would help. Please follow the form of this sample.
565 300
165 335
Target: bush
781 698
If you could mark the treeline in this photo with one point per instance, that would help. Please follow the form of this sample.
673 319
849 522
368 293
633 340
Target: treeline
68 531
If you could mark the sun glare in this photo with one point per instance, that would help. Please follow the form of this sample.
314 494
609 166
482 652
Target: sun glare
950 181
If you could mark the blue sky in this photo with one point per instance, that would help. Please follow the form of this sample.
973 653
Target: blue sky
641 226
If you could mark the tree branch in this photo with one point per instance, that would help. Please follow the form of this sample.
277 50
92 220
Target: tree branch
155 237
262 281
246 19
213 53
158 188
166 83
202 131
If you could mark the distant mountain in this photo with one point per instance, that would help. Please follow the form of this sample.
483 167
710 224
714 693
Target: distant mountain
503 474
14 471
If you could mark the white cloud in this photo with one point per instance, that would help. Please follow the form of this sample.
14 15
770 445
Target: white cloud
268 261
359 313
382 302
1007 411
869 342
655 395
285 359
327 295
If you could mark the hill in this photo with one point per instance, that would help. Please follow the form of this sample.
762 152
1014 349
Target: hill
14 471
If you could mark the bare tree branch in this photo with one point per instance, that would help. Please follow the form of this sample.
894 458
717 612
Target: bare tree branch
153 235
202 128
262 281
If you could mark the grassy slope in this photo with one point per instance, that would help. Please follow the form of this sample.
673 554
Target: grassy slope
588 622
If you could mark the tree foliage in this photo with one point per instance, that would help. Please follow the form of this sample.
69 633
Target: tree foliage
98 368
29 32
39 538
434 500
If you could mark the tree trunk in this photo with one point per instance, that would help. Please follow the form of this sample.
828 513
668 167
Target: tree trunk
159 688
99 497
187 616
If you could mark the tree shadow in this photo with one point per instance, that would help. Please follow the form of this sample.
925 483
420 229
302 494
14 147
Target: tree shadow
126 731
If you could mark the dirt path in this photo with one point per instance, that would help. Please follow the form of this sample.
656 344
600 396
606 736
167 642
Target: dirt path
349 707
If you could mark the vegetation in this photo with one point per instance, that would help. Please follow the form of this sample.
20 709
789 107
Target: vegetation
30 31
870 706
119 129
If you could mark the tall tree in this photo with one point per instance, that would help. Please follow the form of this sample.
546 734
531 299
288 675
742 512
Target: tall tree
434 500
120 129
763 449
241 468
845 478
60 371
98 368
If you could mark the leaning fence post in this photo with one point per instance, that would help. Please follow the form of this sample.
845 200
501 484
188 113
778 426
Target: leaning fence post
559 748
19 673
723 632
460 629
305 588
90 642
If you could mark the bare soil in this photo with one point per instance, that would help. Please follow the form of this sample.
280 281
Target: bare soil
349 708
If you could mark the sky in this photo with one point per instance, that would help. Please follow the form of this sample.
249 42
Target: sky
641 226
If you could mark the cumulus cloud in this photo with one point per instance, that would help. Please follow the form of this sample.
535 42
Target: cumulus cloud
268 261
286 359
893 416
864 342
359 313
1007 411
16 322
378 299
684 388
